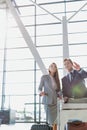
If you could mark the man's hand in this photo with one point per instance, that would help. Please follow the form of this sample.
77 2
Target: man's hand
76 66
66 99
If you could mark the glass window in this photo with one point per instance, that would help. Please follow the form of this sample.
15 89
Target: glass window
20 2
20 76
20 65
78 50
19 54
49 40
16 42
27 11
77 27
77 38
54 51
50 29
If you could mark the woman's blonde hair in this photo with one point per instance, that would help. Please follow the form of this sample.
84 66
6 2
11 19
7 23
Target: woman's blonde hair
56 76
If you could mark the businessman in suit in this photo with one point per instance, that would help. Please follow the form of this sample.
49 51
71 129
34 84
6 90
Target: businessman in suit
73 84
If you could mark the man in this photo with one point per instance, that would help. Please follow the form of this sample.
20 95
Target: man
73 84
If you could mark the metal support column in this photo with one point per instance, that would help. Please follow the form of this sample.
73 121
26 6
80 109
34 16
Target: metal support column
4 61
65 39
27 37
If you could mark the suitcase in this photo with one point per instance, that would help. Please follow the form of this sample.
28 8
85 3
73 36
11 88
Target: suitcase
39 126
76 125
4 116
7 116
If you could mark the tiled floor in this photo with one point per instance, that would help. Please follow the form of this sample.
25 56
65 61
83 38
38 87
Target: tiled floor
17 126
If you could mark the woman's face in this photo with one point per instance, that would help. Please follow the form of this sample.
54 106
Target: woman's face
52 68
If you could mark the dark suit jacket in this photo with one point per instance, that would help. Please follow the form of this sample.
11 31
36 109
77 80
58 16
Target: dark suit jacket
76 88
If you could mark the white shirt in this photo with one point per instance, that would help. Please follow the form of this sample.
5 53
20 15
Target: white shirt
54 85
70 78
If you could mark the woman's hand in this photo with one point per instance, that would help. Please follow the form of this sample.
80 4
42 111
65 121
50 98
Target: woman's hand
42 94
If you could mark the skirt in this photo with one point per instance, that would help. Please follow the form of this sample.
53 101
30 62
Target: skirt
51 113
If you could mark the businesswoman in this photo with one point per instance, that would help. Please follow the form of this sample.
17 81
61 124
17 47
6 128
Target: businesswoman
49 88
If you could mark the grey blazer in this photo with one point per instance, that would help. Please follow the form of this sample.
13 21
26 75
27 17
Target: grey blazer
46 86
77 87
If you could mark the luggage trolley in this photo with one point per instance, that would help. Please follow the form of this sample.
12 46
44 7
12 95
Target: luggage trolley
74 109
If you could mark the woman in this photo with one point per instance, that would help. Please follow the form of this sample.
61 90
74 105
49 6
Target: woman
49 88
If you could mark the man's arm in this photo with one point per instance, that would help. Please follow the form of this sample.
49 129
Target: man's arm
82 72
63 92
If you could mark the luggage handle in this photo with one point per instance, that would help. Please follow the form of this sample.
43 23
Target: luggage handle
40 110
74 124
46 112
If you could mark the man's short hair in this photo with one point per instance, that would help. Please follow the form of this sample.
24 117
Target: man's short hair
67 59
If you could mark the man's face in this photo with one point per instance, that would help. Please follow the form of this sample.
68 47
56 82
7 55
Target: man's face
68 65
